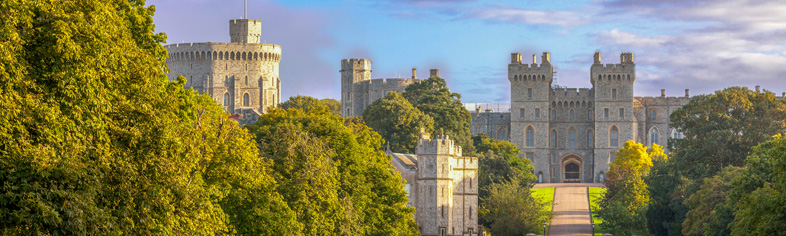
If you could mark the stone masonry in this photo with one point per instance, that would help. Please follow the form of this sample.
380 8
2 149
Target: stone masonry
571 134
442 185
241 75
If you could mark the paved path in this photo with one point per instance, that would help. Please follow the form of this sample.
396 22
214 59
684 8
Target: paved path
572 208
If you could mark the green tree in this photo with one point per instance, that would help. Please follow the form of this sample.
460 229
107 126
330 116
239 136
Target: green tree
397 121
510 209
759 192
433 98
307 103
709 214
626 198
370 194
665 212
332 104
94 139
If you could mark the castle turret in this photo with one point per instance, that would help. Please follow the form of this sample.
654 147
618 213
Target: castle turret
245 30
352 72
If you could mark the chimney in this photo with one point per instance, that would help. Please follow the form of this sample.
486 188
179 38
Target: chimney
596 58
534 59
757 88
434 73
515 58
663 92
546 58
414 75
687 93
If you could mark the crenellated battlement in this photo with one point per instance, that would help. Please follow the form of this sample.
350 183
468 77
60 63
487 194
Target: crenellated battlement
572 93
223 51
356 64
440 145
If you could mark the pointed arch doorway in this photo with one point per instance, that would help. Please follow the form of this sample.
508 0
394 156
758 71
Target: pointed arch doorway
571 169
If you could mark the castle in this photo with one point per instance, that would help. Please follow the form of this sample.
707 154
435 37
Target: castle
241 75
442 185
570 134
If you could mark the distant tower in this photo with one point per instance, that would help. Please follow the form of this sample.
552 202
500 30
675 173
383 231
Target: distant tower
352 72
530 89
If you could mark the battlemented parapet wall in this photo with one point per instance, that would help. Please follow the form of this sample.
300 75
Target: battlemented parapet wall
358 90
242 76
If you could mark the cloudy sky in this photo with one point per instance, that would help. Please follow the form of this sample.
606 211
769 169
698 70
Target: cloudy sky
698 45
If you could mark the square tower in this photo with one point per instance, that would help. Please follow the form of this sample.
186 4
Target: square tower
245 30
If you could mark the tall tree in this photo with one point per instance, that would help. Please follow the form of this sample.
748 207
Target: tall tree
510 209
332 104
397 121
94 139
368 194
709 214
433 98
307 103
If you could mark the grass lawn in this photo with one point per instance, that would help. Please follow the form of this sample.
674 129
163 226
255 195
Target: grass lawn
545 195
594 197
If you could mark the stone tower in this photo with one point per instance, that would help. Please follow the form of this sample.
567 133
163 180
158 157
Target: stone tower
353 71
614 117
447 188
242 75
530 86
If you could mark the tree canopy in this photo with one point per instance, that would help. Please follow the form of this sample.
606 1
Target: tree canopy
333 173
94 139
397 121
433 98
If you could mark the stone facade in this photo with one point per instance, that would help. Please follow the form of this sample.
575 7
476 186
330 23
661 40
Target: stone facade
442 185
571 134
242 75
358 90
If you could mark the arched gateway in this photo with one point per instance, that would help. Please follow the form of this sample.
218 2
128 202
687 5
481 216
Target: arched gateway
571 168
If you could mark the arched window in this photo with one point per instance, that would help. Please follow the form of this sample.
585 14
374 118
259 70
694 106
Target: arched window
226 99
613 138
572 138
553 138
553 114
530 137
590 139
653 136
245 100
571 115
501 134
589 114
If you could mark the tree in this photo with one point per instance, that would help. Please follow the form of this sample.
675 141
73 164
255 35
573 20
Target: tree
665 211
368 197
721 128
433 98
332 104
397 121
626 198
709 214
510 209
94 139
307 104
759 192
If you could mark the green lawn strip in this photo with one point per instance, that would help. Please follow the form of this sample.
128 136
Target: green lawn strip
594 197
545 195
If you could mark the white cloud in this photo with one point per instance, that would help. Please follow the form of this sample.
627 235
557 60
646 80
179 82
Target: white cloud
531 17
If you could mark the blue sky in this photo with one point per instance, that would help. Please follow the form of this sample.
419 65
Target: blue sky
701 45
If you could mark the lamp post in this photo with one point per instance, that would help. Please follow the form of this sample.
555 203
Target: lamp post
593 228
544 228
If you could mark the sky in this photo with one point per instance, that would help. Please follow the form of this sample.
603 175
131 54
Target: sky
702 45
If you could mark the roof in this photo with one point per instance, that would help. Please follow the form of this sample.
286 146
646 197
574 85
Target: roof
408 160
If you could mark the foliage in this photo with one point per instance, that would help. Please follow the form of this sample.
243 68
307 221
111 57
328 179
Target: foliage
495 170
433 98
720 129
397 121
510 209
95 140
709 214
595 195
665 211
626 198
307 104
546 195
759 193
358 191
332 104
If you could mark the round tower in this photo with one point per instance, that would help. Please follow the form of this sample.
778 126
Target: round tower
353 71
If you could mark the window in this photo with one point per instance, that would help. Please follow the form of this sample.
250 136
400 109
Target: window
501 134
590 139
407 187
529 93
553 114
553 158
653 113
614 94
654 136
622 113
589 114
226 99
245 100
530 137
531 156
537 112
571 115
613 139
521 113
477 130
612 156
572 138
246 78
605 113
554 138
